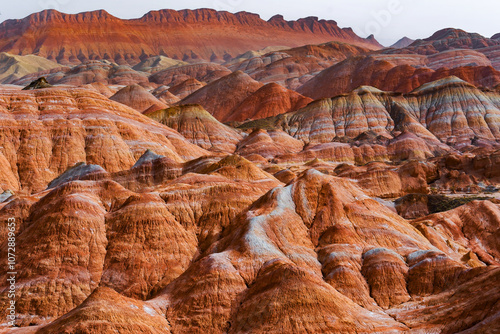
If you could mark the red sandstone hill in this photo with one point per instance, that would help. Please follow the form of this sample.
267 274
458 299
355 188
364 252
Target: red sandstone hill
270 100
186 34
289 67
368 124
198 127
45 131
138 98
171 222
468 48
399 73
469 56
449 38
212 255
222 96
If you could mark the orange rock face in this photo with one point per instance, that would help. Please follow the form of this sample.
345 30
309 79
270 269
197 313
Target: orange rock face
131 316
204 72
185 88
138 98
164 32
199 127
270 100
269 144
46 131
369 125
383 73
292 67
222 97
139 212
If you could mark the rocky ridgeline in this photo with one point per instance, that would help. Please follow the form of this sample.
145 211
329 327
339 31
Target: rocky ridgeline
313 189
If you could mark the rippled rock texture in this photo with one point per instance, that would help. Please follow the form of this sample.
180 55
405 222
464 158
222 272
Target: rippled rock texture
173 181
44 132
177 34
316 255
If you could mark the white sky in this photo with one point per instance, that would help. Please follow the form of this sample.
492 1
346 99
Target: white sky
389 20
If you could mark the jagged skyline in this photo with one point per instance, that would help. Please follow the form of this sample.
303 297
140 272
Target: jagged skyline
387 20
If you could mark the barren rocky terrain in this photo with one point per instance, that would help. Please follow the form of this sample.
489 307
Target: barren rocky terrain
310 181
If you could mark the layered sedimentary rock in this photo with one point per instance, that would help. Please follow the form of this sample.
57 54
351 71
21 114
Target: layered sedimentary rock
347 116
204 72
95 217
129 316
101 88
270 100
80 171
222 97
471 57
253 54
471 228
89 72
256 253
292 67
162 93
423 123
450 38
173 222
458 46
467 315
399 73
385 181
138 98
46 131
70 267
14 67
136 234
268 144
186 34
477 115
157 63
199 127
330 252
186 88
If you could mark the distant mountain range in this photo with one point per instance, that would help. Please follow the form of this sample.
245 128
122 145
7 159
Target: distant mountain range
186 35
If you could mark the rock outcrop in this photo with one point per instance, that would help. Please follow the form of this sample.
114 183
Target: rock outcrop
40 139
94 315
186 35
158 63
199 127
450 38
138 98
222 97
363 211
204 72
14 67
89 72
292 67
399 73
423 123
270 100
38 84
186 88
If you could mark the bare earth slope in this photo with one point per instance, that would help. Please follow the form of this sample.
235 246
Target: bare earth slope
185 34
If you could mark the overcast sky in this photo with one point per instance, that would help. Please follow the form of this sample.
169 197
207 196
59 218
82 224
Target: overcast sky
388 20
